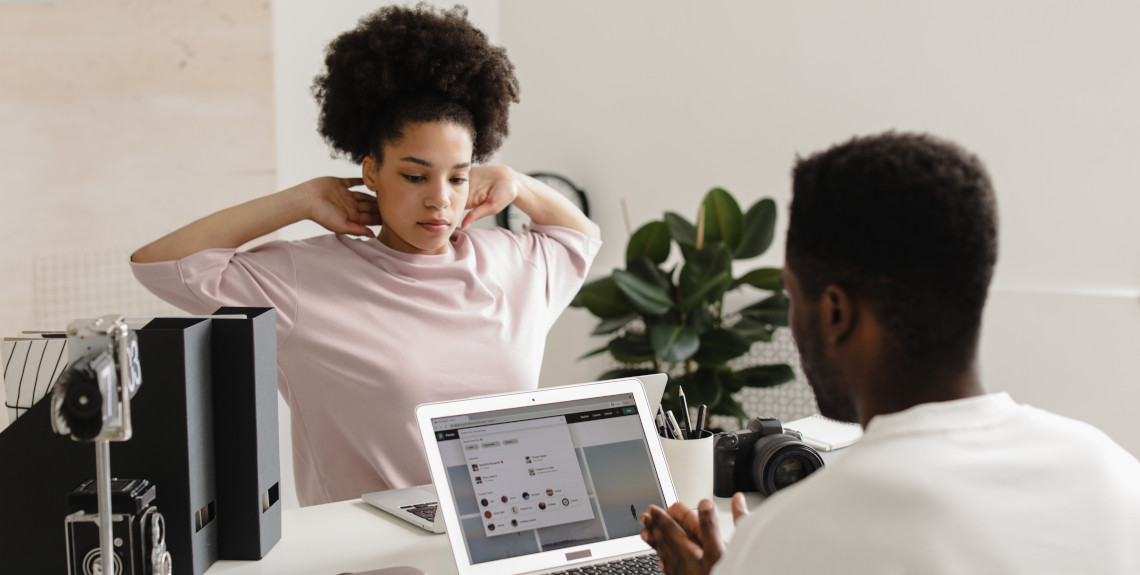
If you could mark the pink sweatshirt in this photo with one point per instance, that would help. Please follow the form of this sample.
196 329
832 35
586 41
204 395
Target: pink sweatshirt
366 333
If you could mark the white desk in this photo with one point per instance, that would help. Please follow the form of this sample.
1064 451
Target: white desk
352 536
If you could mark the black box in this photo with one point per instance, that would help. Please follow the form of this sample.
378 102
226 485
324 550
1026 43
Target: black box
245 423
173 443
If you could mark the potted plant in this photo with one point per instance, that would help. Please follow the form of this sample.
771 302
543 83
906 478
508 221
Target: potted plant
663 315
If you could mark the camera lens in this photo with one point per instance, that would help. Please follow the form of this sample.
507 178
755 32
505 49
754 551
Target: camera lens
789 471
82 403
780 460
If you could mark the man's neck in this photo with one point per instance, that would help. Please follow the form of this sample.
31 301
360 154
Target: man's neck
894 394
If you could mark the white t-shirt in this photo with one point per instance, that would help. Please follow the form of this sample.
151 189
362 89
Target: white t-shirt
366 333
973 486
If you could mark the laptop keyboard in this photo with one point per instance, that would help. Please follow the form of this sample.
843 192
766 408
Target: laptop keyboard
641 564
422 510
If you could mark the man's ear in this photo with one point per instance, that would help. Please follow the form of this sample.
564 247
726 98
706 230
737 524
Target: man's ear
370 171
838 313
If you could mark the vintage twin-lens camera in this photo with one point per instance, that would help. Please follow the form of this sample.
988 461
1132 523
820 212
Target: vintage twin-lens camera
764 457
139 530
91 402
91 399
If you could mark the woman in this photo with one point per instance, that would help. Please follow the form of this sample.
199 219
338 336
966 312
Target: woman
427 309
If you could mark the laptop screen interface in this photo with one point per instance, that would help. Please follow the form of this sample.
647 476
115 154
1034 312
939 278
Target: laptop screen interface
535 479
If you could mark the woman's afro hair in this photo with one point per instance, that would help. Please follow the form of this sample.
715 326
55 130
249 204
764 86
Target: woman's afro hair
402 65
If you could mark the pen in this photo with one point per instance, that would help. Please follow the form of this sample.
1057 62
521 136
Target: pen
673 425
702 411
661 429
688 430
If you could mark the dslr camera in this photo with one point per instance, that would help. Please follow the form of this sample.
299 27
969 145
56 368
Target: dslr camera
764 457
91 400
139 530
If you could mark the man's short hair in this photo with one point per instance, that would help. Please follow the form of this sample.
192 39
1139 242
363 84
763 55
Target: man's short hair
908 222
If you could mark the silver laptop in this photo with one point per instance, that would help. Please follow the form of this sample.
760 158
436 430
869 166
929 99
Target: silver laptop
546 480
417 505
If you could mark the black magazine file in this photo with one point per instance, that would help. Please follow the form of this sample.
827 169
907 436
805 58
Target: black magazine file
245 423
173 446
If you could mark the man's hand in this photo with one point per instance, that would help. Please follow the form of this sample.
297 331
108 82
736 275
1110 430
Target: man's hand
340 210
687 542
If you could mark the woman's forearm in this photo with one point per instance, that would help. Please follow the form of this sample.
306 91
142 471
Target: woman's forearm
545 206
229 228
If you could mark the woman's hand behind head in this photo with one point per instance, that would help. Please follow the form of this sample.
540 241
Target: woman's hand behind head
492 189
340 210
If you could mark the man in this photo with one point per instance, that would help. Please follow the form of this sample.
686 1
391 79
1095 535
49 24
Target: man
890 250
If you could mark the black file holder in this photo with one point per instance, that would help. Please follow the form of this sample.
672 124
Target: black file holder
173 443
245 421
172 446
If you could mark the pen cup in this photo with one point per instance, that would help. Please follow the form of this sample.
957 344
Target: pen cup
690 464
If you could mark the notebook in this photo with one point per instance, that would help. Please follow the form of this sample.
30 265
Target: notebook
826 434
546 480
417 505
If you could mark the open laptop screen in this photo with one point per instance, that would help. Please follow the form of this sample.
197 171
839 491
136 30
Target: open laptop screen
545 477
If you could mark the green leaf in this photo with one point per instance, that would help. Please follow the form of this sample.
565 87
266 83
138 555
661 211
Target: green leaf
648 271
631 348
772 310
704 386
723 221
755 331
763 278
720 346
610 325
624 372
731 382
728 406
707 293
604 299
646 297
592 353
700 319
766 375
759 229
674 343
703 274
652 241
683 232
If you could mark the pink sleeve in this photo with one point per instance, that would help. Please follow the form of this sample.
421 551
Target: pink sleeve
201 283
567 255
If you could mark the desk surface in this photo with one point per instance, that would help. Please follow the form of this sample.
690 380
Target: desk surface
351 536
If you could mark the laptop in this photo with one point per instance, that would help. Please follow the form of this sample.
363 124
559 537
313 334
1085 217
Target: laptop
417 505
547 480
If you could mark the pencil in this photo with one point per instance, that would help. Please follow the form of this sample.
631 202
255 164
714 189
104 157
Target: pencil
688 431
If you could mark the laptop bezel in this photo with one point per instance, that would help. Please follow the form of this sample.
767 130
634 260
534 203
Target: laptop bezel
546 560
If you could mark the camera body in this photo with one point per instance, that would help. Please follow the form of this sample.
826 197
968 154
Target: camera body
91 398
138 530
763 457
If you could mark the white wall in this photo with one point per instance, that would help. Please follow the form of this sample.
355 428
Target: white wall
121 120
656 102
